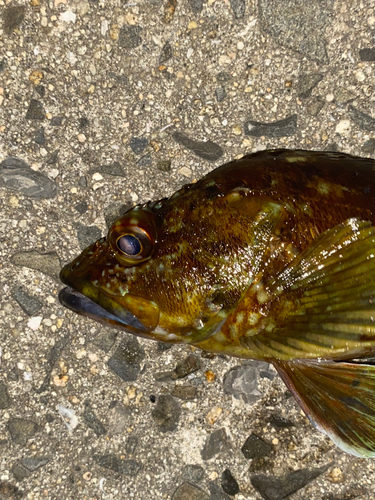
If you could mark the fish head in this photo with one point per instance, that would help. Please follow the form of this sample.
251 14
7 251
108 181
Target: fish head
170 270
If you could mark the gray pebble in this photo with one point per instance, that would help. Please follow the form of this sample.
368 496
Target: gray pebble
125 467
306 83
281 128
41 90
166 53
166 413
164 165
278 488
145 160
56 121
47 263
39 136
81 207
300 26
119 417
29 304
238 8
5 399
35 111
3 64
187 491
207 150
138 144
216 442
255 447
217 493
220 93
196 6
17 175
364 121
185 392
223 77
131 445
129 37
105 339
369 146
125 362
13 17
92 420
189 365
21 429
193 473
34 463
314 106
242 381
53 158
87 235
114 168
367 54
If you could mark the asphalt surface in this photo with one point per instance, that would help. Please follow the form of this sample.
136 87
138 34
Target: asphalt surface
108 104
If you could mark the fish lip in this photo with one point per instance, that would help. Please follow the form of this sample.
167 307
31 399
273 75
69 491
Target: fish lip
80 304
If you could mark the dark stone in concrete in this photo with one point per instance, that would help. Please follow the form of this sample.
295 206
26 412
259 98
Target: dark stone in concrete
129 37
87 235
281 128
229 483
125 467
238 8
243 381
255 447
364 121
272 488
21 430
13 17
187 491
207 150
29 304
306 83
185 392
17 175
167 413
35 111
138 144
367 54
216 442
189 365
125 362
92 420
5 399
166 53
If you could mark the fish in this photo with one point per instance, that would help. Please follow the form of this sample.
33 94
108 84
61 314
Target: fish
268 257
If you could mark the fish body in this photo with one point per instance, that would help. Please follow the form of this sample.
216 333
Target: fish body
268 257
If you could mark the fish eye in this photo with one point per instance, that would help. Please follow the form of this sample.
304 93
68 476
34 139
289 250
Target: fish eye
129 244
133 237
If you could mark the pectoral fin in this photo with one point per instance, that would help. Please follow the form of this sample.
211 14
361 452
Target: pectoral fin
338 397
323 303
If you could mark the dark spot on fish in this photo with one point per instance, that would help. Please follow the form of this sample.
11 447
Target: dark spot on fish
357 404
355 383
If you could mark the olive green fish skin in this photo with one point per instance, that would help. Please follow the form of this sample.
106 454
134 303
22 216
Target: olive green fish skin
240 224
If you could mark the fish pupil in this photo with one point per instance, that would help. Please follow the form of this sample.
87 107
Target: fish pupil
129 244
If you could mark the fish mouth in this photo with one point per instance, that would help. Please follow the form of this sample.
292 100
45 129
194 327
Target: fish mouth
83 305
